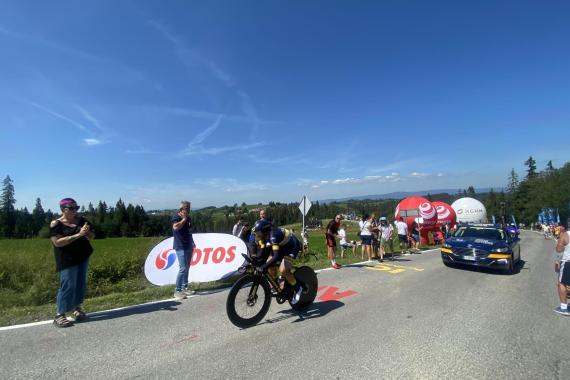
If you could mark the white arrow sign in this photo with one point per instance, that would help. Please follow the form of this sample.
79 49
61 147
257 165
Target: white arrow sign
305 205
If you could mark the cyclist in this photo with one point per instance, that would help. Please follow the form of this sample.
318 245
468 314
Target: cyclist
274 244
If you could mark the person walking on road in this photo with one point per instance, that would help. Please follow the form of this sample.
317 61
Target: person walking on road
184 246
402 229
385 230
563 266
70 235
330 235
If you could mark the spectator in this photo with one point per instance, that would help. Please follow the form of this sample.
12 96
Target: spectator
184 246
445 230
236 230
366 237
262 214
415 235
304 236
402 229
563 265
70 235
375 247
332 230
345 244
385 230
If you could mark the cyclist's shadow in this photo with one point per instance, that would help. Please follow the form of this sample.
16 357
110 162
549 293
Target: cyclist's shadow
315 310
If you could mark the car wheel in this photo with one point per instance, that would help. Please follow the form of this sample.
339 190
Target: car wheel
511 268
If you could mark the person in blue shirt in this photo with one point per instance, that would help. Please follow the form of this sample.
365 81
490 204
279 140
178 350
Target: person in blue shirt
277 244
184 246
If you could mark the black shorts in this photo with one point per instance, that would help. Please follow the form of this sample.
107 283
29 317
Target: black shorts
564 275
403 238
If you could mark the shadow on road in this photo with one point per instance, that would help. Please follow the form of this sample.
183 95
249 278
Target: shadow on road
316 310
167 305
497 272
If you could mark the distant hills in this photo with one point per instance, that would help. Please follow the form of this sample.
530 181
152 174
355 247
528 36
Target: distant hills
404 194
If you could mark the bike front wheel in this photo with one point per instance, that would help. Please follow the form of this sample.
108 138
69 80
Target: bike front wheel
248 301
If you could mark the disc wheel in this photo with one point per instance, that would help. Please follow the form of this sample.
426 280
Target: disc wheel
308 278
248 301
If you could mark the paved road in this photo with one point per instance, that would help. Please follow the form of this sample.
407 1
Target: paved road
413 318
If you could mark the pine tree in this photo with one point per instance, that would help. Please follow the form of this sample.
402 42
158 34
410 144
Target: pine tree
38 217
549 167
513 183
531 171
7 209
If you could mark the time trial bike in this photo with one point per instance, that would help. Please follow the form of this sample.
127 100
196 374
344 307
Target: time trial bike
250 296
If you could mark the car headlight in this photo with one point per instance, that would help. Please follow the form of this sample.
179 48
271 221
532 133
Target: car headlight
445 245
501 250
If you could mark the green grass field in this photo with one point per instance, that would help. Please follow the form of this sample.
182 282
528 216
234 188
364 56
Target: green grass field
29 282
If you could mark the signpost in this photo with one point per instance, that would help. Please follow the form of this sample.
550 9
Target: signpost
304 206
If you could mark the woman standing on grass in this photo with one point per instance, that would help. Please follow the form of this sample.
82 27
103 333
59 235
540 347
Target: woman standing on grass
366 237
70 235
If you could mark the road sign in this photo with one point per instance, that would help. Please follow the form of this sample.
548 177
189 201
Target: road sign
305 205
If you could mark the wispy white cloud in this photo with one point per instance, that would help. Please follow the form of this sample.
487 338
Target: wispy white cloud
71 51
60 116
393 177
211 116
200 137
89 117
298 159
195 146
91 142
190 57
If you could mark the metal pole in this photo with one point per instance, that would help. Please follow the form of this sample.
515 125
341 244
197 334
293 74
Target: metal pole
304 212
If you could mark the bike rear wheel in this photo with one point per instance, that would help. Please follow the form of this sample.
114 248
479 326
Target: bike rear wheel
248 301
308 277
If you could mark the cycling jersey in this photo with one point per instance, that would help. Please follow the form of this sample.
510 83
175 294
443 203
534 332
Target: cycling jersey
280 244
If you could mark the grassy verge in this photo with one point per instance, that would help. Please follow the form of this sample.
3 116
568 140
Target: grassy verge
28 281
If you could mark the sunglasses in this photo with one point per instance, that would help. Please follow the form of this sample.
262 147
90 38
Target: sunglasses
73 208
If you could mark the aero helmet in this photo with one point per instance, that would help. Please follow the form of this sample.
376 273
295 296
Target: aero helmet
262 226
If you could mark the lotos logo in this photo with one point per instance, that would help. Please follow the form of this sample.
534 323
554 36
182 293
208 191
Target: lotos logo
442 212
165 259
428 213
215 257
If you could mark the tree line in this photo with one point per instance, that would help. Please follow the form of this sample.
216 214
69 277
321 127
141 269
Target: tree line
522 197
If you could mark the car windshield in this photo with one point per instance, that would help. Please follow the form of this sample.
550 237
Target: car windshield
480 232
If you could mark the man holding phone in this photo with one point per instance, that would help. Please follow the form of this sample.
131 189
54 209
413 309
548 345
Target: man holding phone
184 246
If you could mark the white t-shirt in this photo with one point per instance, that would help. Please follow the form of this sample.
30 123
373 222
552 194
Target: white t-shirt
386 231
402 228
342 236
364 228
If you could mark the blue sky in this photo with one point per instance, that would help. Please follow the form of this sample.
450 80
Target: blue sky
224 102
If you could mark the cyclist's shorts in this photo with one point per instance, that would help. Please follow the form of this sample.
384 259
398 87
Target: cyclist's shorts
290 249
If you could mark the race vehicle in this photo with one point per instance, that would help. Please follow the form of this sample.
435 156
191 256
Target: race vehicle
482 245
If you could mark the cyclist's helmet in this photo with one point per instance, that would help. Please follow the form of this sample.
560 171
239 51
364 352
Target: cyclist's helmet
262 226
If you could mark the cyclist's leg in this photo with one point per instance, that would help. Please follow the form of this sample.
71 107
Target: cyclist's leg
285 269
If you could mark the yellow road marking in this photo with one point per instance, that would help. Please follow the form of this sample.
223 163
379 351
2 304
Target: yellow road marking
390 268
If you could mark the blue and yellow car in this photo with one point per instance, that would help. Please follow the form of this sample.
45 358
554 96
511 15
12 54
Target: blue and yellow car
482 245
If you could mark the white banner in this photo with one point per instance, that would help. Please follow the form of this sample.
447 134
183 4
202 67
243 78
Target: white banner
216 256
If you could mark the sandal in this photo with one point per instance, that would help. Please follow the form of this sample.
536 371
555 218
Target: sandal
61 321
79 315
